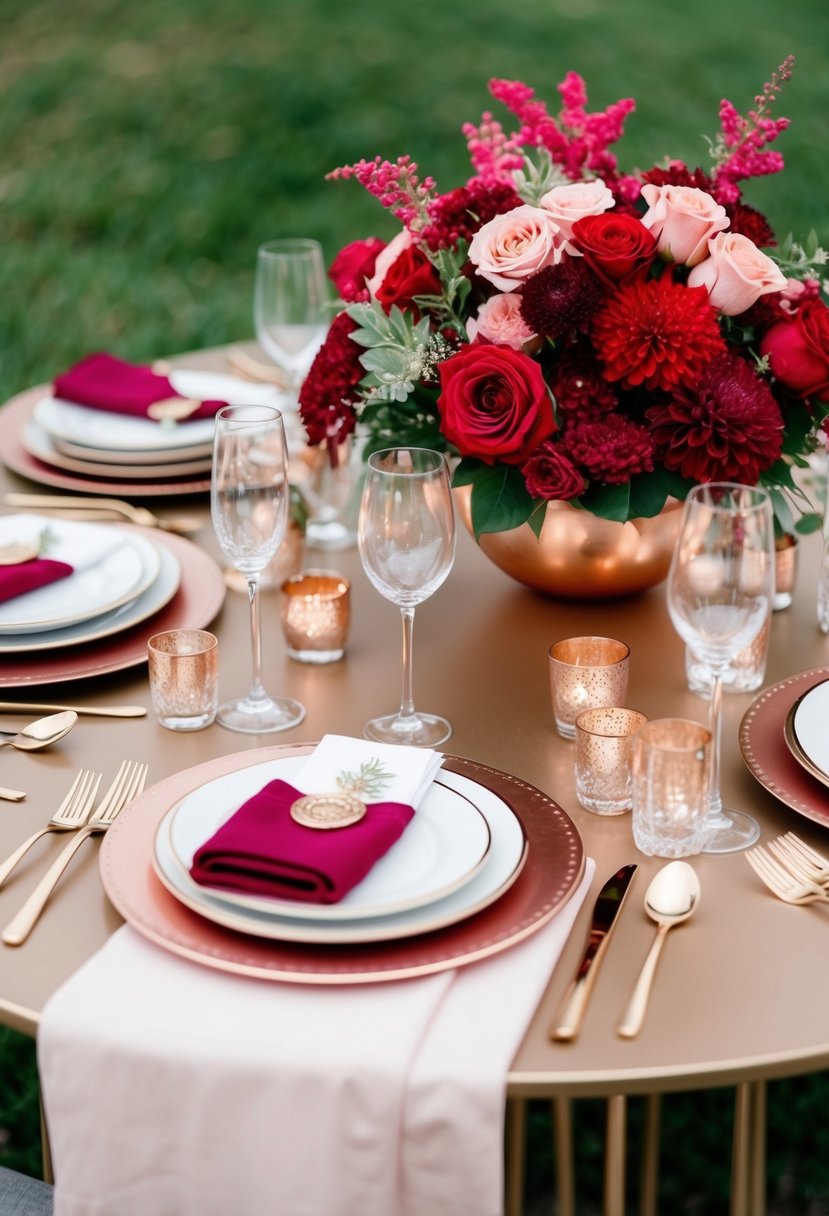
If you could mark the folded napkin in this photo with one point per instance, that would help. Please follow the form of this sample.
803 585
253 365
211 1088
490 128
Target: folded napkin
105 383
23 577
262 850
243 1096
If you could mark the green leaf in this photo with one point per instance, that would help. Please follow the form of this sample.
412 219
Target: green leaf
808 524
499 499
608 502
537 517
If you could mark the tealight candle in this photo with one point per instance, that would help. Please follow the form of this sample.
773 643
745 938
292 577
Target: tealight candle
316 612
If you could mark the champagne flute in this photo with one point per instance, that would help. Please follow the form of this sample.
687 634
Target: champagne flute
406 537
249 495
720 588
289 309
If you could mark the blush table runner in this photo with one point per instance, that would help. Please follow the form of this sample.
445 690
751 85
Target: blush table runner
171 1089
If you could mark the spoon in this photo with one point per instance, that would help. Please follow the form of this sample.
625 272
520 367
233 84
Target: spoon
670 899
40 733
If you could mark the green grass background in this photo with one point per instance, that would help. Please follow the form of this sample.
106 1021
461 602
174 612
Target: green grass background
148 146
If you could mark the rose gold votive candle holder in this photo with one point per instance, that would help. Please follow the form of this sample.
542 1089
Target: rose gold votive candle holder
671 766
316 613
604 749
184 677
586 673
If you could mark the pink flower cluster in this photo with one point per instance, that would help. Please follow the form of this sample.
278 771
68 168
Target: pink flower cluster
742 144
397 185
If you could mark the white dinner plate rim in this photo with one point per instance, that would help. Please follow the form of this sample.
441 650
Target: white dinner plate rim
802 726
48 449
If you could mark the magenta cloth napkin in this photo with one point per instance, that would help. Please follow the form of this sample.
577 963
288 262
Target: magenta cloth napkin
105 383
261 850
28 576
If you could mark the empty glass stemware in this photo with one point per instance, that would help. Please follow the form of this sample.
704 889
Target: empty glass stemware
249 495
290 304
406 536
720 588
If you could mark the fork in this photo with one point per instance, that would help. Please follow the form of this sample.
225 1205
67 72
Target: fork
810 861
784 884
250 368
102 507
70 815
128 784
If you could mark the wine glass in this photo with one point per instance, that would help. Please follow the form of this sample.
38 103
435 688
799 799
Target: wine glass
406 537
289 309
249 504
720 588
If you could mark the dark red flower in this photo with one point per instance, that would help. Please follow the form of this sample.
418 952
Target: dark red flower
458 215
352 266
494 404
410 274
549 473
611 449
560 298
579 388
798 350
328 394
659 334
747 221
678 174
615 246
729 428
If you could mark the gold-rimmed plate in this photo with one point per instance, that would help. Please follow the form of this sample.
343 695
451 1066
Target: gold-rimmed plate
807 731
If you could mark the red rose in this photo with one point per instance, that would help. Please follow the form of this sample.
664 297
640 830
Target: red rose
494 404
410 274
550 474
353 265
798 350
617 247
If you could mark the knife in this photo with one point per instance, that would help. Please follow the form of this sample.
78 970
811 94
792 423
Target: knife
566 1024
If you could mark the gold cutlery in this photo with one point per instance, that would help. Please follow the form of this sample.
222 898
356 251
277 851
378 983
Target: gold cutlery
70 815
781 882
249 368
7 795
671 897
103 507
800 858
41 733
99 711
128 784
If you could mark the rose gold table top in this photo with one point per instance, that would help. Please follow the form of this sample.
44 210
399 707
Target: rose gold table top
741 990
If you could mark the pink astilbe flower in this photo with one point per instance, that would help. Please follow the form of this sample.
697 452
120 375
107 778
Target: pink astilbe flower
396 185
577 140
494 154
740 150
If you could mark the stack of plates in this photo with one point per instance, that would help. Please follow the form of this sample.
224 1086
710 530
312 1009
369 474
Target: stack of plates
806 731
462 851
81 448
132 581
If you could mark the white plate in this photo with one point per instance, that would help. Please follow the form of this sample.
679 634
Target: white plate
811 726
503 864
160 591
120 432
120 461
117 578
442 847
37 443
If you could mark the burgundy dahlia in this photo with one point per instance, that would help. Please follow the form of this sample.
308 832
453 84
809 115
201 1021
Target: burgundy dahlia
458 215
728 428
561 298
747 221
611 449
580 390
330 390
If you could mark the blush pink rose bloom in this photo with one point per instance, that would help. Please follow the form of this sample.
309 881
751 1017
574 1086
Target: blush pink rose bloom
499 320
513 246
566 204
736 273
682 219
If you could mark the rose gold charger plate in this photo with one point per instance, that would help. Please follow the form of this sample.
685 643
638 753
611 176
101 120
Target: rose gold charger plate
197 601
768 756
13 417
553 869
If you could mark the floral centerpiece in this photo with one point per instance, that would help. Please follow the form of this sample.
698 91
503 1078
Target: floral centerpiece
570 332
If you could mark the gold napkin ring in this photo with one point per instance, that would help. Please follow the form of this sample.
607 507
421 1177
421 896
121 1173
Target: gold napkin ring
16 552
326 811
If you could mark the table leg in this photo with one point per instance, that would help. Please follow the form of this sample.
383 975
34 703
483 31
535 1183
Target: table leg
649 1201
563 1146
757 1169
614 1164
516 1155
45 1148
748 1165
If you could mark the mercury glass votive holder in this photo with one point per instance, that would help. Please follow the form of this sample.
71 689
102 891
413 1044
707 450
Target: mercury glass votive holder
184 677
316 614
671 766
604 750
586 673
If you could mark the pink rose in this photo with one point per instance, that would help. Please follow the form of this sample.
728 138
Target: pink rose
499 320
682 219
566 204
736 274
512 246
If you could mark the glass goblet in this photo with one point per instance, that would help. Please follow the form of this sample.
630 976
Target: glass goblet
249 495
290 305
406 537
720 588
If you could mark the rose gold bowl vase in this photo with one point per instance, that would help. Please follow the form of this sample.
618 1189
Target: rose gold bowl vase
579 555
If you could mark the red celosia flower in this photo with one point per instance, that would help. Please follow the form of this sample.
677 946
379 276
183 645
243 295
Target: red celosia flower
579 388
560 298
659 334
551 475
729 428
611 449
747 221
328 395
458 215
